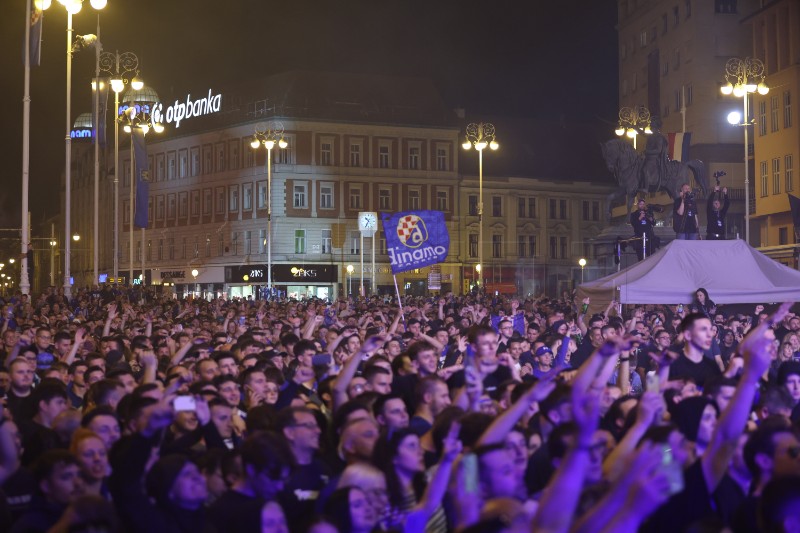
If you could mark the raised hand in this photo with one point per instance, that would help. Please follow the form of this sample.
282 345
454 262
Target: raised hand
451 445
651 407
372 344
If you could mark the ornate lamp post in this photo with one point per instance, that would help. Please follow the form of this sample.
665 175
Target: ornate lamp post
479 136
632 121
73 7
122 69
139 115
744 77
268 137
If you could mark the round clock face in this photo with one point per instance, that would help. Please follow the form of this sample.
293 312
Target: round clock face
369 221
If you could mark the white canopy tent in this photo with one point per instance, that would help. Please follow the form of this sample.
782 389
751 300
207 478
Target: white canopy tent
731 272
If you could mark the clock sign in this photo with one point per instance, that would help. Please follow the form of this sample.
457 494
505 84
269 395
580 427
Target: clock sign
368 222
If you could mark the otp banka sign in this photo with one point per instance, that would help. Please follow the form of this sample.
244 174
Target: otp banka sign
190 108
415 239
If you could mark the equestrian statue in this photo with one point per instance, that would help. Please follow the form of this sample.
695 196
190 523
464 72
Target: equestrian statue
650 172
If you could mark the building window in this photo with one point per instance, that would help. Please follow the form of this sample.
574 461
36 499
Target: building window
441 200
261 202
384 198
327 241
207 197
326 153
497 206
725 7
208 245
382 246
773 113
171 206
553 248
562 206
383 156
596 211
160 168
355 242
233 194
783 235
171 166
262 241
171 247
413 198
762 118
249 153
413 157
532 245
284 156
299 241
687 7
676 16
247 242
299 196
220 159
473 245
441 159
678 99
197 247
553 204
183 163
326 196
221 245
472 202
208 160
787 109
355 155
689 95
776 176
183 248
521 246
220 200
195 203
764 179
247 197
521 208
183 205
586 210
563 247
233 161
160 208
195 161
788 170
643 38
497 246
355 197
531 207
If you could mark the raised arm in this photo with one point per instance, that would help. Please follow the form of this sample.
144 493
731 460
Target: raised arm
501 425
112 314
757 349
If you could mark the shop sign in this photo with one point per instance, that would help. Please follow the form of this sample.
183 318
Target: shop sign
188 109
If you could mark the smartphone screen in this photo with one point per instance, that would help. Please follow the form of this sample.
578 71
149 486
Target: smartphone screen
470 466
185 403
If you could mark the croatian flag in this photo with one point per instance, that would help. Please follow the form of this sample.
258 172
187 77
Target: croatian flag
679 145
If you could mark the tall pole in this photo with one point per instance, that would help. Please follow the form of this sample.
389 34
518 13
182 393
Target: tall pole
52 255
480 216
361 249
96 124
68 165
269 218
130 224
374 274
746 174
24 282
143 258
116 186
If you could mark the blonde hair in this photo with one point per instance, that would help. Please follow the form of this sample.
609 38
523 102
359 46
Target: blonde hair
361 475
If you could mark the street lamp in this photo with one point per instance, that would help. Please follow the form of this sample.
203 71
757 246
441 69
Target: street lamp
268 137
350 270
138 115
632 121
73 7
744 77
480 136
582 263
123 69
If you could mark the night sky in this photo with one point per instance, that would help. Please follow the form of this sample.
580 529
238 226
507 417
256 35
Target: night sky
522 59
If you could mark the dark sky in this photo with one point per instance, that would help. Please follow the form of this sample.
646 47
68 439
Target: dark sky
515 58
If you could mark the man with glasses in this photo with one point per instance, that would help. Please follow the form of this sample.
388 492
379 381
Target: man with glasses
44 350
309 475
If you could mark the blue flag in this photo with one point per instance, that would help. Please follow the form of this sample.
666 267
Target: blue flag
415 239
35 41
142 178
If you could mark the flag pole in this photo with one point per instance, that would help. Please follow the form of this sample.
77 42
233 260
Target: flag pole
399 300
24 282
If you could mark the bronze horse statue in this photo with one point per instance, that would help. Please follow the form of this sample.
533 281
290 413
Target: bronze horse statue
635 176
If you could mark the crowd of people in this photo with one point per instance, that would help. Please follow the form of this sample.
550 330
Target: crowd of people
133 411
